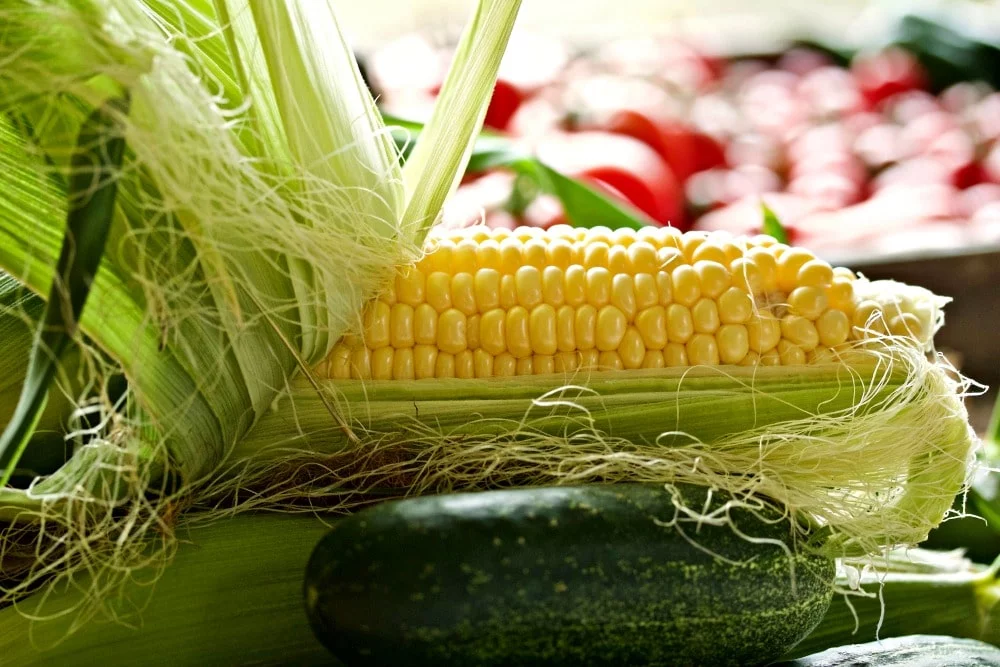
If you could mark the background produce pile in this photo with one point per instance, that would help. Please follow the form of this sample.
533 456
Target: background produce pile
876 152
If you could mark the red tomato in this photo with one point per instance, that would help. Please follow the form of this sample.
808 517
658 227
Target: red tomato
975 198
505 101
708 153
624 163
878 145
918 136
801 61
881 75
831 92
640 110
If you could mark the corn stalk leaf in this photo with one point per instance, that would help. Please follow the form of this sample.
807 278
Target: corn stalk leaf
772 225
92 197
584 206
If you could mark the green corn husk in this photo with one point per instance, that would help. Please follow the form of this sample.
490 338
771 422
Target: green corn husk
231 596
922 592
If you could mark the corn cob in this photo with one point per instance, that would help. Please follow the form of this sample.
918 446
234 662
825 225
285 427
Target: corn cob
485 303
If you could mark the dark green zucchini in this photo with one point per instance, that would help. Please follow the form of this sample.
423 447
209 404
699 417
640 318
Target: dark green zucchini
911 651
589 575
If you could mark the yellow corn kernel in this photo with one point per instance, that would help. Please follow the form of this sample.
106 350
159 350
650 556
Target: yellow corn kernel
632 350
487 287
464 258
589 359
815 273
680 326
463 293
821 355
652 325
646 294
713 276
735 306
797 329
518 332
401 325
425 325
402 364
439 291
665 288
789 264
808 301
654 359
437 258
552 286
642 258
451 331
488 255
611 327
492 331
504 365
598 287
702 350
483 362
361 363
668 259
444 366
752 359
840 294
833 327
528 282
595 254
472 330
675 354
868 316
510 256
565 329
734 343
610 361
709 252
770 358
585 325
465 365
764 331
623 294
790 353
733 251
377 319
690 242
705 316
559 253
410 284
340 362
845 273
575 285
618 261
623 236
767 267
535 253
424 361
508 291
525 366
685 285
545 364
746 275
542 328
566 362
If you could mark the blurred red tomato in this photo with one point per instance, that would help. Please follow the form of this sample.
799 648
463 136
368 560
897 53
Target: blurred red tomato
801 61
881 75
504 102
708 153
624 163
831 92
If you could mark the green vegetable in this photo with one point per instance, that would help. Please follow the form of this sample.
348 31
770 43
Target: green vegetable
588 575
911 651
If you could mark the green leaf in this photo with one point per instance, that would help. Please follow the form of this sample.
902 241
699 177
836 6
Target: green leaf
773 226
92 193
584 206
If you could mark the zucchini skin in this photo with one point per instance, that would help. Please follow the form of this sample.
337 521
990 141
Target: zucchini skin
910 651
584 575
